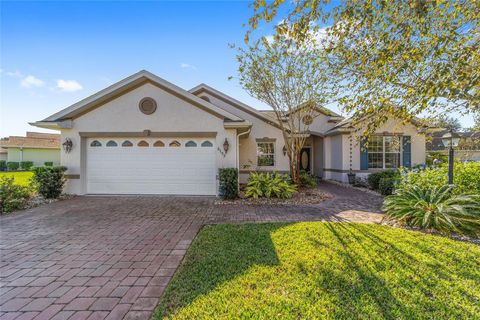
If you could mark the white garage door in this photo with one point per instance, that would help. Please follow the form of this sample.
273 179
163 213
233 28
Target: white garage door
151 166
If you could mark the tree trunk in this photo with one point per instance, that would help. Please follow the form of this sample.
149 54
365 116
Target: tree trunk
295 167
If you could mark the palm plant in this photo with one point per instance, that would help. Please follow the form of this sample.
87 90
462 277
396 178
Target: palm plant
269 185
435 208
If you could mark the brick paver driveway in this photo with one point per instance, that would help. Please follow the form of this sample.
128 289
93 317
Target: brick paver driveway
111 257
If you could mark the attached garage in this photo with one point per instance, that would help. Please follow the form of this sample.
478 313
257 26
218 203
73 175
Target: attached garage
173 166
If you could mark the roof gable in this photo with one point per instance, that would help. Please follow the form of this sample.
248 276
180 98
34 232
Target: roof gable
198 90
130 83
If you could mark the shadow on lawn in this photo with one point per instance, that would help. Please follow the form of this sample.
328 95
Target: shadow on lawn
359 270
215 258
425 264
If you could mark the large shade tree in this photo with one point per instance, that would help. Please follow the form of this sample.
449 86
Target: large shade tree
289 79
404 57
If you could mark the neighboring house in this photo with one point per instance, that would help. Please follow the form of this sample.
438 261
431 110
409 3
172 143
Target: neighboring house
3 154
35 146
468 148
144 135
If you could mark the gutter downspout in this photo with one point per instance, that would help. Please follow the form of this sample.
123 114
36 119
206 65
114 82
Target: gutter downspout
238 154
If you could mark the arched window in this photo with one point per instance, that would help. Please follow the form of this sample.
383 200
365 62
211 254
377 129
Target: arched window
159 143
205 98
112 143
207 144
95 143
174 144
191 144
143 143
127 143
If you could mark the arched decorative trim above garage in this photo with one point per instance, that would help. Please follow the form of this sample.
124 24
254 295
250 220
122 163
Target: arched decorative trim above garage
207 144
159 143
190 144
142 143
95 143
111 143
127 143
174 144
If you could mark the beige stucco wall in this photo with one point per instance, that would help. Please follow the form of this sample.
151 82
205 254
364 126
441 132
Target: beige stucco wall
122 115
320 123
248 146
342 166
37 156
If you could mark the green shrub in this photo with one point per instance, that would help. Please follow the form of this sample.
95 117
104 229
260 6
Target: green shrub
373 179
228 183
3 165
435 208
307 180
49 181
466 178
48 164
12 196
13 166
26 165
443 157
387 185
267 185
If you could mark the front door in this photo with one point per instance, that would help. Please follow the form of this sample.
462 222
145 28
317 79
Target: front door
305 160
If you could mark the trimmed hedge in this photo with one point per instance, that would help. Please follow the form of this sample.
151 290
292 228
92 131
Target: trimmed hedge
13 166
228 183
466 178
26 165
48 164
373 179
49 181
386 185
3 165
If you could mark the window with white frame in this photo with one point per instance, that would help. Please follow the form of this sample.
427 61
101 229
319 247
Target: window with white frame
384 152
265 154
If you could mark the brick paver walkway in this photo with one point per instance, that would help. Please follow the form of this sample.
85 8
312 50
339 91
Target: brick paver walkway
112 257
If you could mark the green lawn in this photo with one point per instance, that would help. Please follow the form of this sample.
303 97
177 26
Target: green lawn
323 271
21 178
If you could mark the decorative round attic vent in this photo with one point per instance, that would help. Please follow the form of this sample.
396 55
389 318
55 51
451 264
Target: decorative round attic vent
307 120
147 105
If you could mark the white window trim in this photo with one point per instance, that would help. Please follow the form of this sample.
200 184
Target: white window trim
273 154
383 152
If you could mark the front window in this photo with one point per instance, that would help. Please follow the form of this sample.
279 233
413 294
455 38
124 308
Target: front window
265 154
384 152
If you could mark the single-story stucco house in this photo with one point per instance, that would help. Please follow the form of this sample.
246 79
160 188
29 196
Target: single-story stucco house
144 135
37 147
468 148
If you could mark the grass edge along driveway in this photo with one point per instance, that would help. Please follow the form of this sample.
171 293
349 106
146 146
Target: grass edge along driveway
318 270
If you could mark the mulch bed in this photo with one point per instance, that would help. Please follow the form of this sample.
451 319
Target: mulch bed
37 200
304 196
458 237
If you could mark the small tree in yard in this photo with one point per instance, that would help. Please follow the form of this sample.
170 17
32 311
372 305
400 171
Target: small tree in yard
291 82
404 57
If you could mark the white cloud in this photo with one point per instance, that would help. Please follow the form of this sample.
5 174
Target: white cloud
30 82
15 74
68 85
187 66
